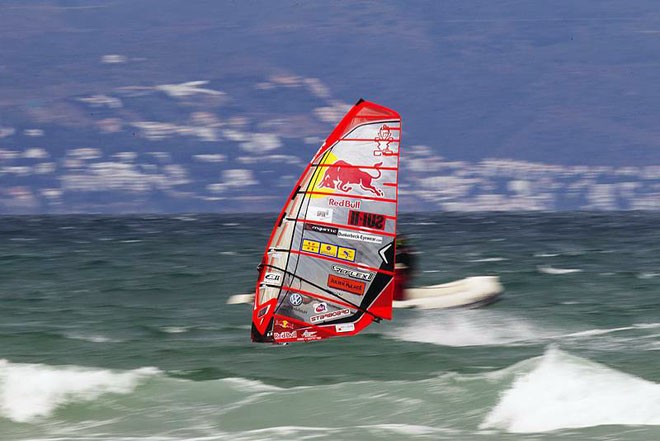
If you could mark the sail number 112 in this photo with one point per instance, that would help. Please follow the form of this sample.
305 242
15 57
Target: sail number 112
368 220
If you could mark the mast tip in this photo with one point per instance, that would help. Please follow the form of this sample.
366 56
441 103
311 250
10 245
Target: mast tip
361 100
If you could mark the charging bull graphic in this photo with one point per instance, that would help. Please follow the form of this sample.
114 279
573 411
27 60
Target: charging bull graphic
383 140
343 176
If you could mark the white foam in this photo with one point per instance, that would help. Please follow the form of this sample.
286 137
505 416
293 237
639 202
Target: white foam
30 391
246 385
91 338
469 328
489 259
600 331
407 429
564 391
174 329
556 271
594 332
307 432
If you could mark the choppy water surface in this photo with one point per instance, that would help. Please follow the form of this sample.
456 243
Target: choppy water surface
116 328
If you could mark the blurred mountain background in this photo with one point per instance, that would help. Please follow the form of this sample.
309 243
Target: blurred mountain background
122 106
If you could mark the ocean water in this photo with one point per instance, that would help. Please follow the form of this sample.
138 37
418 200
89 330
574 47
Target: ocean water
116 328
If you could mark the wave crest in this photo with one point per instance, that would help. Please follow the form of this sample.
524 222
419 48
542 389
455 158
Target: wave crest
30 391
565 391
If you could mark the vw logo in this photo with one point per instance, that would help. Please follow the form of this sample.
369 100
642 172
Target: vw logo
295 299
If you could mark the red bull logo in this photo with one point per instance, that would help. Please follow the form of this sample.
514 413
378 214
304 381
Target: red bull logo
344 203
344 177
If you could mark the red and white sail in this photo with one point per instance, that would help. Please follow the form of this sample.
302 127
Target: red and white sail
328 269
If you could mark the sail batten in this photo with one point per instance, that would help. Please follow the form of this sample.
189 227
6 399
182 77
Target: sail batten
329 264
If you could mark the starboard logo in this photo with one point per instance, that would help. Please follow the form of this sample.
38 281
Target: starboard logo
360 275
330 315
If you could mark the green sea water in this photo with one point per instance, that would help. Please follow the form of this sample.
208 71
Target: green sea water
116 328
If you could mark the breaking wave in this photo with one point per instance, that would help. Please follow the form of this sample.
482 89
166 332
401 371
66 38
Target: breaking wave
30 391
563 391
550 392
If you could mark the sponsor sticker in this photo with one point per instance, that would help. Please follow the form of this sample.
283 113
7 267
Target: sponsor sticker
273 277
368 220
328 249
320 307
295 299
309 334
344 203
345 177
330 315
345 327
285 334
344 284
355 235
284 324
319 214
360 275
383 141
321 229
311 246
346 254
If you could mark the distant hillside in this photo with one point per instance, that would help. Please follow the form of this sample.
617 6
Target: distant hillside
172 105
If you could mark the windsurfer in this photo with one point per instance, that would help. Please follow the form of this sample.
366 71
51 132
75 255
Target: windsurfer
405 267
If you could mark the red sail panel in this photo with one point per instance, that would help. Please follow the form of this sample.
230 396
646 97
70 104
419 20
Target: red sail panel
328 269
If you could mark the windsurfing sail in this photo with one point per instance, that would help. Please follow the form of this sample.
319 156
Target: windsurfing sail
328 268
